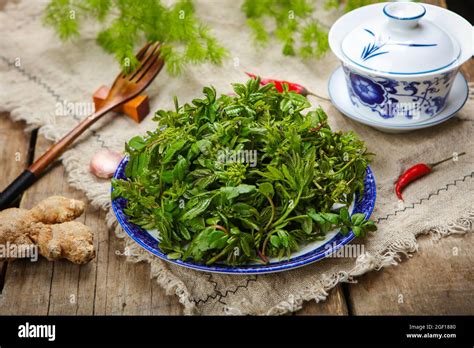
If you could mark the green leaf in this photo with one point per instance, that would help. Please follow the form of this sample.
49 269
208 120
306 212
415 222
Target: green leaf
180 169
245 210
204 146
369 225
283 236
184 232
239 88
196 224
174 256
220 242
234 110
198 209
275 241
213 220
358 231
231 192
266 189
296 26
276 173
345 217
199 245
358 219
170 152
245 244
216 235
316 217
331 217
344 230
307 225
137 143
167 176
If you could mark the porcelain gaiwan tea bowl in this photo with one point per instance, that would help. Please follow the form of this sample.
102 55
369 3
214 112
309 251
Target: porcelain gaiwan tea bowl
400 58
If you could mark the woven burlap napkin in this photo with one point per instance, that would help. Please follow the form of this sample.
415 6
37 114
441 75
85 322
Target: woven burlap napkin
38 74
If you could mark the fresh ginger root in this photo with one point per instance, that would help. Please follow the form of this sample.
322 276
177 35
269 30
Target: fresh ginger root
49 225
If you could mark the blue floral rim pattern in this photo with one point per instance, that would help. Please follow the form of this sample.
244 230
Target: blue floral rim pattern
405 18
363 204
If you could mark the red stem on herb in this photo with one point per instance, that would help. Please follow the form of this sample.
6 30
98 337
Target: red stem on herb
317 128
222 228
415 172
263 257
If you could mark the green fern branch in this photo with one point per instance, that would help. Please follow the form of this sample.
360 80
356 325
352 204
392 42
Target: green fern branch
186 41
295 27
125 23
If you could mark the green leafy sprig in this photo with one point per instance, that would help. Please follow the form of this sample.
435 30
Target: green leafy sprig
292 22
186 180
126 23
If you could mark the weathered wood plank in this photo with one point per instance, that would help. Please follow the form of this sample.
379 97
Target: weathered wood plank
335 304
125 288
72 286
14 143
162 304
27 284
438 280
122 287
107 285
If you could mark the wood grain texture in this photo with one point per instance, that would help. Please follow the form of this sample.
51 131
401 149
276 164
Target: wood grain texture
14 144
28 285
438 280
107 285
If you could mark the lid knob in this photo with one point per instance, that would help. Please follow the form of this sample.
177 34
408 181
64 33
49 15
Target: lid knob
404 15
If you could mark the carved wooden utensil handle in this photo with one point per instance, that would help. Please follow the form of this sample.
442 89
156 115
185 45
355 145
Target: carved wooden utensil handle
30 175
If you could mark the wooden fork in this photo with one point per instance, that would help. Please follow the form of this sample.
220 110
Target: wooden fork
124 88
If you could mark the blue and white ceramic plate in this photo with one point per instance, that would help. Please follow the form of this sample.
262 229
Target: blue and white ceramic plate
340 98
334 241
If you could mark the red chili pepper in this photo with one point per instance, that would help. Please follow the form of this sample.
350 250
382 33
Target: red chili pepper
415 172
279 85
295 87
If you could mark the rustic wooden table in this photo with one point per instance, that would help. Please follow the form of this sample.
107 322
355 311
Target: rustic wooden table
431 282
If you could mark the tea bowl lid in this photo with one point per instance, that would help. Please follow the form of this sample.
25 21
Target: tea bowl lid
398 38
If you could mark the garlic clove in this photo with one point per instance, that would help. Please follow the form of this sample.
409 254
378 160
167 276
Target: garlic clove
104 163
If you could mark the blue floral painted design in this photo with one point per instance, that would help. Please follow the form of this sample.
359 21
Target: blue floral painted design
388 97
371 50
368 91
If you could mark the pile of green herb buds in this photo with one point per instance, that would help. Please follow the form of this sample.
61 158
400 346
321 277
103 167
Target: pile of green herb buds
239 179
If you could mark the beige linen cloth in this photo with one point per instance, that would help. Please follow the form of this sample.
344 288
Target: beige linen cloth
38 73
